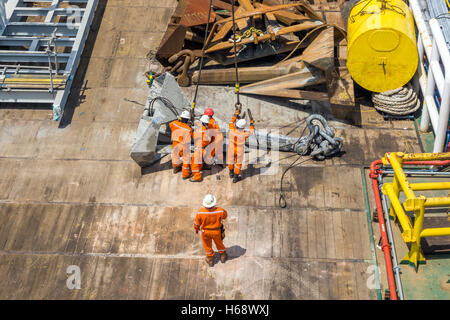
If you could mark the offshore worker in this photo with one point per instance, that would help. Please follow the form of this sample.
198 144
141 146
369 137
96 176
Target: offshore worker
237 137
209 221
181 144
201 141
216 147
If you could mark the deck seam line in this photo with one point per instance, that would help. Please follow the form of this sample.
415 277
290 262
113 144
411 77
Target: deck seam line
168 256
151 205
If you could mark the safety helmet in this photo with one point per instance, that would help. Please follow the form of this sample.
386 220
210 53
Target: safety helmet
204 119
185 114
209 112
209 201
241 123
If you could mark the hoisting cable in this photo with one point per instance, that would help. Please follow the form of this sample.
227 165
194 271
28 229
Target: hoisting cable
194 101
238 104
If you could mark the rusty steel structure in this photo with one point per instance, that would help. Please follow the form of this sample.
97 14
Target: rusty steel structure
294 50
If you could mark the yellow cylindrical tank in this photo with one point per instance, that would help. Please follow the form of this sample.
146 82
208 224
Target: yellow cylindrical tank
382 49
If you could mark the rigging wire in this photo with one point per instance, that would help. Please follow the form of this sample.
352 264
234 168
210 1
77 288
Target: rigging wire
194 101
238 104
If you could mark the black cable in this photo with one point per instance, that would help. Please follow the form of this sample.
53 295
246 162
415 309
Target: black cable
301 135
238 103
282 198
166 102
443 15
360 11
194 101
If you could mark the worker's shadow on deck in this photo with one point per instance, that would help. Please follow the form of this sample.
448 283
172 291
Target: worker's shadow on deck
157 167
166 166
233 252
252 170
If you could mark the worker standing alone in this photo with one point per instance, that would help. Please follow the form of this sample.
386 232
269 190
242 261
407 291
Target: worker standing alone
201 141
215 149
209 221
181 144
237 137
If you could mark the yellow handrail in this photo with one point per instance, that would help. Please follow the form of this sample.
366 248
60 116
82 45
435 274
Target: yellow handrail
412 233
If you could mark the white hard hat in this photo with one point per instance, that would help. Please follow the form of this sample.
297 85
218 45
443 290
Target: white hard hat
240 124
209 201
185 114
204 119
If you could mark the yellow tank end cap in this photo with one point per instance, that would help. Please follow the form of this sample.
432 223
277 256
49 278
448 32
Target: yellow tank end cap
384 40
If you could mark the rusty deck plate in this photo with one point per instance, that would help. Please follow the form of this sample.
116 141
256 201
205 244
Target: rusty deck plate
196 13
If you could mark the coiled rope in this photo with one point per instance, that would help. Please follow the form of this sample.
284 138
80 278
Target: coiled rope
399 102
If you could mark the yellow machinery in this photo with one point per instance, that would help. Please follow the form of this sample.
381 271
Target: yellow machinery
413 232
382 49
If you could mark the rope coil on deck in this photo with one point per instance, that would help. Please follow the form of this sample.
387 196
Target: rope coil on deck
401 101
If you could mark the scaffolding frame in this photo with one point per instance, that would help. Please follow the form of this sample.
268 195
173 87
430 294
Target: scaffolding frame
39 58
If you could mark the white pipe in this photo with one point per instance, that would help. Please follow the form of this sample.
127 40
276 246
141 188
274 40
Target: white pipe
422 79
421 26
420 76
445 103
424 46
432 110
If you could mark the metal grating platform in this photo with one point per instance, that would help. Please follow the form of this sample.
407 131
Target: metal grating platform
41 43
438 9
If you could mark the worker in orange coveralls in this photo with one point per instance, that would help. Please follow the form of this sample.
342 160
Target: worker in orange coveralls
215 149
209 222
237 137
181 144
201 141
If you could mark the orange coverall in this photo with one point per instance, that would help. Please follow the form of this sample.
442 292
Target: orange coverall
216 147
181 146
201 140
209 221
235 152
